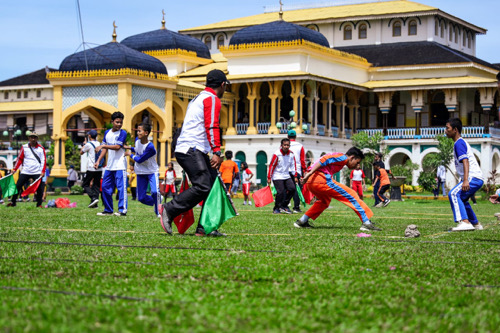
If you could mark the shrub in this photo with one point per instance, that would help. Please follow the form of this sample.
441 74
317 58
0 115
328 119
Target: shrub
405 170
76 189
427 180
57 191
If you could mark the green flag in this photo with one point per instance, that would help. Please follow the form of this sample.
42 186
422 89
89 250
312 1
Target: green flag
8 186
217 208
299 193
273 189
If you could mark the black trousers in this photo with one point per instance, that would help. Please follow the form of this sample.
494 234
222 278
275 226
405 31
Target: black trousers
381 192
93 177
296 199
375 193
196 164
285 189
24 180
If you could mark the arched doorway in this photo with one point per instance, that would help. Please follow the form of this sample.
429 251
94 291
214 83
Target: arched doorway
240 156
286 104
264 103
438 111
243 104
262 167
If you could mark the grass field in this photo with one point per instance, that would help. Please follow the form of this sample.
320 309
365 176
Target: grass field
67 270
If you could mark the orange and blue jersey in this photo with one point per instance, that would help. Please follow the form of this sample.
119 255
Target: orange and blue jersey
384 178
331 163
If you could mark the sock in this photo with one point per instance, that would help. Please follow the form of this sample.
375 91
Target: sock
249 202
304 218
367 222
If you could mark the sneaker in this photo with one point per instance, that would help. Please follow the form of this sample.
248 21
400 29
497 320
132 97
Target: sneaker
10 204
297 211
104 214
497 215
379 205
369 227
302 225
462 226
249 203
478 226
285 211
276 211
216 233
200 233
244 203
165 221
120 214
387 202
1 201
94 203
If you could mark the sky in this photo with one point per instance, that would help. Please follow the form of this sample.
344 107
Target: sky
39 33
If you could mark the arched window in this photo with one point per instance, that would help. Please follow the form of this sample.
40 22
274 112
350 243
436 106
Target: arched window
442 29
412 28
456 35
436 27
312 27
396 29
208 42
469 40
363 31
220 41
347 32
451 33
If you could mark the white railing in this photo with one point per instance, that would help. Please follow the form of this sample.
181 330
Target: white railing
495 132
473 132
241 128
263 128
284 128
371 131
400 133
321 130
431 132
335 131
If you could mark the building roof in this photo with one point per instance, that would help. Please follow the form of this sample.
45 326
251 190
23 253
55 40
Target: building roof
112 55
373 10
460 81
163 39
277 31
36 77
411 53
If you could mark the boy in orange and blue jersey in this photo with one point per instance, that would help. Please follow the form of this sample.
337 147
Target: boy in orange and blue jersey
319 181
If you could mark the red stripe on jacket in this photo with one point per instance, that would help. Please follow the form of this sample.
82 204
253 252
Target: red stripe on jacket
211 111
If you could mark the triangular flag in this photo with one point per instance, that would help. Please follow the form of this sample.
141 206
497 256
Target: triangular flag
217 208
8 186
299 192
307 195
186 219
32 188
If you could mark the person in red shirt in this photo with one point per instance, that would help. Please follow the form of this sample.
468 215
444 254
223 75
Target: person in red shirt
358 180
228 170
319 181
385 184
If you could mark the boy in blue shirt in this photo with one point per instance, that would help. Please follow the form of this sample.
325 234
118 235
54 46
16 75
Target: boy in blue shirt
146 167
115 173
471 179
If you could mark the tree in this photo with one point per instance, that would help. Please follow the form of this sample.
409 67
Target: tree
444 156
372 143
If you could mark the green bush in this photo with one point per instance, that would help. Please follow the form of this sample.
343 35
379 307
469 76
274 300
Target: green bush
76 189
57 191
405 170
427 180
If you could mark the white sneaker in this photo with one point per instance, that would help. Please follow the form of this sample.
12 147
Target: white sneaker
380 205
244 203
249 203
462 226
94 203
478 226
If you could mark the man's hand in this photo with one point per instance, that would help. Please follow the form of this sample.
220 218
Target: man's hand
268 181
465 185
96 165
215 161
306 177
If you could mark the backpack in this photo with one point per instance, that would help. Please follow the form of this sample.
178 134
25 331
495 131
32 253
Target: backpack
96 157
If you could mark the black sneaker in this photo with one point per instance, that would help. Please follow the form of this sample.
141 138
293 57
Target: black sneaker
216 233
296 210
276 211
200 233
303 225
387 202
285 211
165 221
369 227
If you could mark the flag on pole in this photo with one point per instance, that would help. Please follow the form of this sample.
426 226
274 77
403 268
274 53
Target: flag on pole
186 219
8 186
32 188
299 192
217 208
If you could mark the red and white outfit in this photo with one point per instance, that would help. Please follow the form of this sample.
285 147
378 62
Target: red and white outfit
170 182
246 181
300 156
357 177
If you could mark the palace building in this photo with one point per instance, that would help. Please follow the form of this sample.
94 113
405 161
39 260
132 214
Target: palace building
399 68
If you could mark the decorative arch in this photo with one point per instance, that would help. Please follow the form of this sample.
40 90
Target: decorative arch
426 152
86 105
397 151
156 112
347 22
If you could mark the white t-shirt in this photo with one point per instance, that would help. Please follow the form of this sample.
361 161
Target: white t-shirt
170 177
462 151
145 158
357 175
246 176
91 154
116 158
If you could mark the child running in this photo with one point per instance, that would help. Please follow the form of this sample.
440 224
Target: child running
246 175
170 180
146 167
319 181
384 183
471 179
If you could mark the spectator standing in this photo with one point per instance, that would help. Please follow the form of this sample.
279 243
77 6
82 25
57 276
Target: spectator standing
357 178
378 159
247 176
441 179
72 176
92 180
300 165
228 170
170 181
281 170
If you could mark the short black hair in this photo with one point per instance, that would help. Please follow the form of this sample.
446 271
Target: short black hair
455 123
244 165
146 127
117 115
228 154
285 140
356 152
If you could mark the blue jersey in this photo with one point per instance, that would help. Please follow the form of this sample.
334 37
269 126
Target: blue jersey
145 158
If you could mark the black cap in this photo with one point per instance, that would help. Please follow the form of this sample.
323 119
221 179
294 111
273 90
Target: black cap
216 77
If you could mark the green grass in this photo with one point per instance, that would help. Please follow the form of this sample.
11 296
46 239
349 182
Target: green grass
265 276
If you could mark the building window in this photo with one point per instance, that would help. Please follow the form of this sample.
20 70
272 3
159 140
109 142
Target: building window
19 94
362 33
6 95
451 34
396 29
347 32
469 40
456 35
436 28
412 28
220 41
463 38
208 42
38 93
26 94
442 30
312 27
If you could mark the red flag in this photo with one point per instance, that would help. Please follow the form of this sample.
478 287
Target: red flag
262 197
32 188
186 219
308 196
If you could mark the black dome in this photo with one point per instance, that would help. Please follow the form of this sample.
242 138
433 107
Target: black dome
163 39
277 31
112 56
